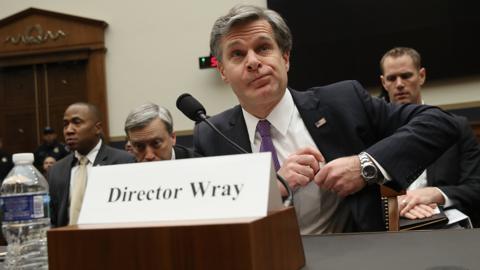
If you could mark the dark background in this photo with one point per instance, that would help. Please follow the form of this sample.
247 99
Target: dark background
345 39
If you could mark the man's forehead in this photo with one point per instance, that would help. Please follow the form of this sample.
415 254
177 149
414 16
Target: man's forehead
255 30
404 61
77 111
80 116
154 130
138 137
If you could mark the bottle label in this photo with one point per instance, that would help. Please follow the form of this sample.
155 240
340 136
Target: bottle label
25 207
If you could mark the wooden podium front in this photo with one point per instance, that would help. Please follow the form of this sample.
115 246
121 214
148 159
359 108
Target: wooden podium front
272 242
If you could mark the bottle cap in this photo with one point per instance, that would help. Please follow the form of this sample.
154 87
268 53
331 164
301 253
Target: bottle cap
22 158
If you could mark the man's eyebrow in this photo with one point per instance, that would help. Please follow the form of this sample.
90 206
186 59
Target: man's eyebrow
72 118
264 38
233 44
258 39
146 140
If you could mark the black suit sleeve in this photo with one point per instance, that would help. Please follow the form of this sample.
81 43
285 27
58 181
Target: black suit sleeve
465 190
56 190
410 137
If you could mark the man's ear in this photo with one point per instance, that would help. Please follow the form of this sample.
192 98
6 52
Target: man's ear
423 75
286 58
382 79
221 69
98 128
174 137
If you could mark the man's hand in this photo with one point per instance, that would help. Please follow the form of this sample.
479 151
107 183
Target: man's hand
341 176
420 211
300 167
422 196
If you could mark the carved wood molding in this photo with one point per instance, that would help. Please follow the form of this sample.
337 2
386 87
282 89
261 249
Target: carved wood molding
35 34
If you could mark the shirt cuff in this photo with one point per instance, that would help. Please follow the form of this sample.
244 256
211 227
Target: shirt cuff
448 202
382 170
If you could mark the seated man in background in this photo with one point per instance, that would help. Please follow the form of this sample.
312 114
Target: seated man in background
361 138
48 162
454 179
128 147
149 129
67 178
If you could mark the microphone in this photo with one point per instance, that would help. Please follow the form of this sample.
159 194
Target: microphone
194 110
190 106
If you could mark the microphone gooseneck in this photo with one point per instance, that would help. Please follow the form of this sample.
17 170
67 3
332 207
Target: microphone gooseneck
194 110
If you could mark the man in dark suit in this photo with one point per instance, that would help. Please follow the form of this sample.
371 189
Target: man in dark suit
340 124
50 147
453 181
82 129
149 129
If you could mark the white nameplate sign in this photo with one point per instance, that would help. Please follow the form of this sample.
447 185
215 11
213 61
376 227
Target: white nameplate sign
237 186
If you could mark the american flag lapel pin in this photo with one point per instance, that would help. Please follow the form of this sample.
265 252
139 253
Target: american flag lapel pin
322 121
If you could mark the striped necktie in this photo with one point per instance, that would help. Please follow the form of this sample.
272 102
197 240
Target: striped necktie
263 127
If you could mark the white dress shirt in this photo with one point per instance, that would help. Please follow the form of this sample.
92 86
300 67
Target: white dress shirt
318 210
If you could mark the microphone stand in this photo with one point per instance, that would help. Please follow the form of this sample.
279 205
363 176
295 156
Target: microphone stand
289 200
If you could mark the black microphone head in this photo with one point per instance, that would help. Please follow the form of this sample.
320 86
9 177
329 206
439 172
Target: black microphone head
191 107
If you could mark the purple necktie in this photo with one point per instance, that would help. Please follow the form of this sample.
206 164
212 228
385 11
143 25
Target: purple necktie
263 128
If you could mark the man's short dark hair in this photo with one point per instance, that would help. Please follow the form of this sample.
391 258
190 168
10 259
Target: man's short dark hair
242 14
97 116
401 51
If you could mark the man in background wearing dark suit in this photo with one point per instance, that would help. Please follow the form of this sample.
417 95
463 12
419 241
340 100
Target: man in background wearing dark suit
82 128
50 147
453 181
364 141
149 129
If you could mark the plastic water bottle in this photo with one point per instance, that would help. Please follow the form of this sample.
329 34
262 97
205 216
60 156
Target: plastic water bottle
26 215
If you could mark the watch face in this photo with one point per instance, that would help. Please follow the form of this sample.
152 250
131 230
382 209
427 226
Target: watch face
369 171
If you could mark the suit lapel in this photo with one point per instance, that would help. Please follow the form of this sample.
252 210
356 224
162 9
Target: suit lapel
65 176
102 156
237 130
318 121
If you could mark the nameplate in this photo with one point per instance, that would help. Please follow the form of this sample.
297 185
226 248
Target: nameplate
224 187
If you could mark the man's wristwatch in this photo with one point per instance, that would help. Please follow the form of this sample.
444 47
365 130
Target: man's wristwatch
370 173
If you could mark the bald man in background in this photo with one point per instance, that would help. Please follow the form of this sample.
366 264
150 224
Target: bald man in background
82 129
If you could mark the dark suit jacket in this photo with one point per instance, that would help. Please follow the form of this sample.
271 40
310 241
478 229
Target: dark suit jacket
182 152
59 180
403 139
457 173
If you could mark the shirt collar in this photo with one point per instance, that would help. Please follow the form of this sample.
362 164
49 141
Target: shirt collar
92 155
279 118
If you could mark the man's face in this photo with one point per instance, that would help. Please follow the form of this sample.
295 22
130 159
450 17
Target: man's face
402 80
152 142
254 66
48 163
81 128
